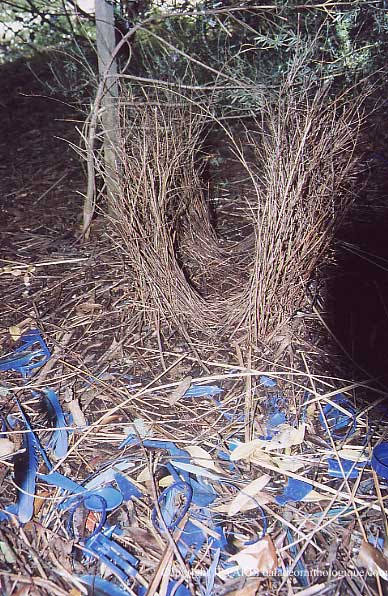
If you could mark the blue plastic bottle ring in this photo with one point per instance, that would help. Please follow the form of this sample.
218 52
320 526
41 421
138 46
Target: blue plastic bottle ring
380 460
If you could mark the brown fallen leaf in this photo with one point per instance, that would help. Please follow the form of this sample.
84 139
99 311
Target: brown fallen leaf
372 560
87 308
180 390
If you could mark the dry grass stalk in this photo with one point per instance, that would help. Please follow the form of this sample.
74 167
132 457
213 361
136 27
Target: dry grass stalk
302 177
307 166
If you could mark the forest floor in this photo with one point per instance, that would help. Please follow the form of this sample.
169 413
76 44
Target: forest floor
280 504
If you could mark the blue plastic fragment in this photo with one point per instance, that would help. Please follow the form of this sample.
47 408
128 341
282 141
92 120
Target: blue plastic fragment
300 570
192 538
203 391
229 416
295 490
59 439
221 542
174 503
173 588
376 542
348 466
32 353
102 587
114 556
380 459
8 512
91 498
203 493
126 487
211 573
338 424
267 381
169 446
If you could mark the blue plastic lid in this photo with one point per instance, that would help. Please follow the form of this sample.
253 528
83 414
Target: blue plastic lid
380 460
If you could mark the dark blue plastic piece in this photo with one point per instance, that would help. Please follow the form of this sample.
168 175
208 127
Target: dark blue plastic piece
338 424
181 590
192 538
7 512
172 511
114 556
126 487
219 543
31 353
59 439
380 460
295 490
102 587
349 468
203 493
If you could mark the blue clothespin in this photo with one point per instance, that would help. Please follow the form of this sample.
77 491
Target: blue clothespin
115 557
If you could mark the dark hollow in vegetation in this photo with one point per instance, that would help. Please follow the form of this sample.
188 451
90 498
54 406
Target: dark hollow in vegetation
359 288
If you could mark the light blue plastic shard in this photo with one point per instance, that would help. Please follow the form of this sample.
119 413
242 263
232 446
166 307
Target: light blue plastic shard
268 381
203 391
111 497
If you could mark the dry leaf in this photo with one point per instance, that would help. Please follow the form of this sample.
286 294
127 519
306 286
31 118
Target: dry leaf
144 476
260 556
250 496
373 560
314 497
179 390
87 308
16 331
6 447
201 457
355 454
288 436
246 450
288 464
79 419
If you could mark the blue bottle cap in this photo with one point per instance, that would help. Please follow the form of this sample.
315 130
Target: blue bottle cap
380 460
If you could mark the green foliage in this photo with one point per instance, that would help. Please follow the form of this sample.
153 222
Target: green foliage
30 26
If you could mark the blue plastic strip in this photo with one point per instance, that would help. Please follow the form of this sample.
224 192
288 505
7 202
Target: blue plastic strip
24 359
349 468
295 490
102 587
172 513
335 422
